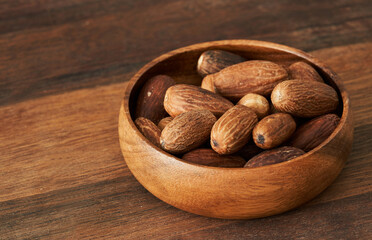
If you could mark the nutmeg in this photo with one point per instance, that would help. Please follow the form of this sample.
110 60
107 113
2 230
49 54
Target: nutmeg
164 122
213 61
273 130
149 130
255 76
257 103
274 156
304 98
151 98
182 98
208 157
314 132
303 71
187 131
207 83
233 129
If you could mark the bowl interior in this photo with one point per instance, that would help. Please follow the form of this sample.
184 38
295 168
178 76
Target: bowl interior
181 64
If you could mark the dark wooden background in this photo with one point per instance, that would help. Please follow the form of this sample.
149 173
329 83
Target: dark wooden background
63 67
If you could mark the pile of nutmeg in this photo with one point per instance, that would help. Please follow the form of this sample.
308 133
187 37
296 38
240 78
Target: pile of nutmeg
246 113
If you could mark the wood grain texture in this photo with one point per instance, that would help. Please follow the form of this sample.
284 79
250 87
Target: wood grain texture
114 205
48 47
63 176
46 144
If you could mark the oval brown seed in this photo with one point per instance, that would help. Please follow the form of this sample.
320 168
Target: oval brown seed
233 130
183 98
257 103
303 71
208 157
187 131
149 130
304 98
274 156
151 98
164 122
254 76
213 61
273 130
314 132
207 83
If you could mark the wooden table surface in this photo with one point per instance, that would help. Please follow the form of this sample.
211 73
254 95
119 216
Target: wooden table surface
63 68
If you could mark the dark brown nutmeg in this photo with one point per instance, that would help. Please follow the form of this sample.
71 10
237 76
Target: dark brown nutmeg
149 130
213 61
314 132
151 98
208 157
274 156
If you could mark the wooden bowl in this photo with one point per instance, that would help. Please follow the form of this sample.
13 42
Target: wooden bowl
235 193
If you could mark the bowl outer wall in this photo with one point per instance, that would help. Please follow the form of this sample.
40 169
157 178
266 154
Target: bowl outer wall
239 193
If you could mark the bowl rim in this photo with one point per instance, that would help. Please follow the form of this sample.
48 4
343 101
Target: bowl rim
236 42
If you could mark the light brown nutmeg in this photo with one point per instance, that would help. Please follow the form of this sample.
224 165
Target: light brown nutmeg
303 71
314 132
164 122
213 61
151 98
233 129
273 130
187 131
182 98
255 76
207 83
208 157
257 103
149 130
304 98
274 156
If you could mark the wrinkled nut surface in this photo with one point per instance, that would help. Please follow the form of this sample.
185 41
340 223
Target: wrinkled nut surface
314 132
164 122
182 98
273 130
303 71
254 76
213 61
149 130
233 130
187 131
207 83
304 98
274 156
193 111
151 98
257 103
208 157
